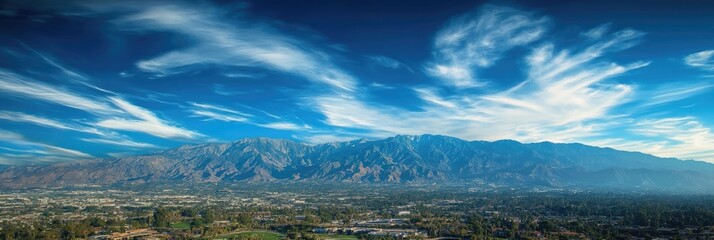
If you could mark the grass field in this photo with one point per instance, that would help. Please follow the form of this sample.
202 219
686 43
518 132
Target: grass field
257 234
336 237
181 225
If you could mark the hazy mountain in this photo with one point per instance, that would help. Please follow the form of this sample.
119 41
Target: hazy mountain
425 158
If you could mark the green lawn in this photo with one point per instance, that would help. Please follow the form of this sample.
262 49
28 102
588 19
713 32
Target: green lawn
336 237
181 225
259 234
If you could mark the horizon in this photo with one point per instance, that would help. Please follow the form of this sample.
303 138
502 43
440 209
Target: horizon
418 135
96 79
369 140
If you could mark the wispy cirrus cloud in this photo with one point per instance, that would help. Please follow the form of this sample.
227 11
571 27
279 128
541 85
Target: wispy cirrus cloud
20 86
42 121
69 74
703 60
143 120
566 94
119 142
685 137
218 42
219 108
377 85
477 40
220 113
211 115
110 112
597 32
681 137
672 92
33 151
107 137
242 75
284 126
226 91
388 62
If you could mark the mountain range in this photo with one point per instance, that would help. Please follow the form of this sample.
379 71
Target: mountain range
398 159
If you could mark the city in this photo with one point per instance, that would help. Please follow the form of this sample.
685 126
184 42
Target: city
349 211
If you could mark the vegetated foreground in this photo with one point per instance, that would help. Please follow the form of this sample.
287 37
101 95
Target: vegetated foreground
348 211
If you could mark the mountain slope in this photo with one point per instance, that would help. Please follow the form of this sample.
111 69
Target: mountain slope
424 158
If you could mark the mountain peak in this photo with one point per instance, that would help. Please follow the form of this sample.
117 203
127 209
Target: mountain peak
422 137
401 158
264 140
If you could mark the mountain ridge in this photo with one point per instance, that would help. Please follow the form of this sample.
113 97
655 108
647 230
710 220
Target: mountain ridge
401 158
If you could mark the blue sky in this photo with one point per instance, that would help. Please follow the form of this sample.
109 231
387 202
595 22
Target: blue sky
97 79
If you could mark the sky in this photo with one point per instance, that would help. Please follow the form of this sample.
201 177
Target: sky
102 79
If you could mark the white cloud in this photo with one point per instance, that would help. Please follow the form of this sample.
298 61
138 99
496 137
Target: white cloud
241 75
108 137
218 116
283 126
477 40
672 92
597 32
46 149
219 108
455 75
153 128
119 142
220 113
99 103
682 137
22 87
22 117
98 106
223 90
144 121
567 96
431 97
221 43
703 60
380 86
67 73
65 151
387 62
544 65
